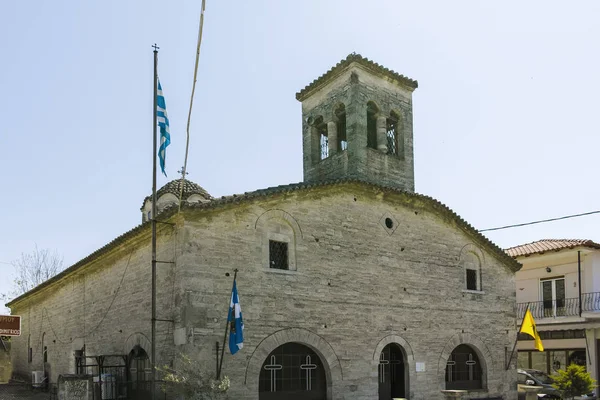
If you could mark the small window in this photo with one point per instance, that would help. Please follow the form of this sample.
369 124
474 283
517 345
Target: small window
472 279
45 354
149 215
391 138
278 255
324 142
470 262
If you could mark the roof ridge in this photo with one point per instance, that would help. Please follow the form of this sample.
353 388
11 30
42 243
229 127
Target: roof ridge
171 210
544 245
355 57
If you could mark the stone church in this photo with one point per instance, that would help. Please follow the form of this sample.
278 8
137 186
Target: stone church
352 286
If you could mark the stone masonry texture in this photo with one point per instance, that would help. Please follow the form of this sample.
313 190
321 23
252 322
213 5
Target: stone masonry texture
356 288
370 263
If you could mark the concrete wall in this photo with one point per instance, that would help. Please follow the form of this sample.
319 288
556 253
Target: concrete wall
357 286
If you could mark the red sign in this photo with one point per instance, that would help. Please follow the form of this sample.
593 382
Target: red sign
10 325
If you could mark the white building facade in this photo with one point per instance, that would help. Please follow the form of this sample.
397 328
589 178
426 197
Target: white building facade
560 283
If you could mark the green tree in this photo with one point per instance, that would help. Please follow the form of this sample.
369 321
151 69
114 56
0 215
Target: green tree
573 381
187 382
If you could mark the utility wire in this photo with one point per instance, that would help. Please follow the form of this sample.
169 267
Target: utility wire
187 143
540 221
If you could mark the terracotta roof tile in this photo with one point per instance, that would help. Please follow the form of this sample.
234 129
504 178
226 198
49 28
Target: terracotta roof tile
545 245
174 187
301 95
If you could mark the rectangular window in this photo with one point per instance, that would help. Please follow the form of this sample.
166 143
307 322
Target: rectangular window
472 279
324 146
30 355
278 255
323 141
553 297
391 136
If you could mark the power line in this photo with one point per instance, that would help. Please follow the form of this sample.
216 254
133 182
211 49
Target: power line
540 221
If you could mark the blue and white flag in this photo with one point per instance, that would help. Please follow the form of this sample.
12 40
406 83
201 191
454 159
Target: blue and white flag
234 318
163 123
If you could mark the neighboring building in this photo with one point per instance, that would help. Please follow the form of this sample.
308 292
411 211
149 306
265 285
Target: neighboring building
560 283
352 286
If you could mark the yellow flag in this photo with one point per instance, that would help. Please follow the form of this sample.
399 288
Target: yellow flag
528 327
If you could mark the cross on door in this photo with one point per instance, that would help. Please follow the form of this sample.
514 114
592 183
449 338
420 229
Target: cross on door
450 364
382 363
308 367
471 363
273 368
393 364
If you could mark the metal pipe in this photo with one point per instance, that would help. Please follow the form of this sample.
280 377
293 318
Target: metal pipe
154 148
579 278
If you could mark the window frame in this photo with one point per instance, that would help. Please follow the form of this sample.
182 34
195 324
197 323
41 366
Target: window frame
475 279
285 263
284 238
467 252
459 373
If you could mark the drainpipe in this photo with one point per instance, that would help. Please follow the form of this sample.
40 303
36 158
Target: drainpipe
579 277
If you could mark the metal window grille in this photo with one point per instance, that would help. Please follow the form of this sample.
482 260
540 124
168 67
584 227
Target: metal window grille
292 371
472 279
324 140
463 369
278 255
391 129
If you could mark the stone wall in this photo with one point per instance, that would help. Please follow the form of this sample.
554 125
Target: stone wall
357 286
5 363
104 305
354 286
355 88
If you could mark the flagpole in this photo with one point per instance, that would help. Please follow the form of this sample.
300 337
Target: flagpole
235 271
153 215
516 339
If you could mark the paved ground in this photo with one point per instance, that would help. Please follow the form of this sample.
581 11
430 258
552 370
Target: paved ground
9 391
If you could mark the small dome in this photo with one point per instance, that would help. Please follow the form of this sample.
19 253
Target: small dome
174 187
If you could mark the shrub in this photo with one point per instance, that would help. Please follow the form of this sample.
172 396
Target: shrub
187 381
573 381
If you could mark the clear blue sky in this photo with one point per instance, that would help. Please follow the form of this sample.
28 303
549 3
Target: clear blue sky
505 124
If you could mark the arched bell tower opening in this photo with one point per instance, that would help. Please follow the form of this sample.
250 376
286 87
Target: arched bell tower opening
369 134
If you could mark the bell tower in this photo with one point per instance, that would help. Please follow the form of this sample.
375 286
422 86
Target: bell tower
357 123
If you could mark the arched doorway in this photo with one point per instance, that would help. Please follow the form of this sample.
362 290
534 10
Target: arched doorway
139 372
463 369
392 372
292 372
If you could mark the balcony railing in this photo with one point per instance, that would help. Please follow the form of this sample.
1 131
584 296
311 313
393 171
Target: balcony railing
560 308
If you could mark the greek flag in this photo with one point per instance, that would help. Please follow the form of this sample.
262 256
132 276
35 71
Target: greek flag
163 123
234 318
